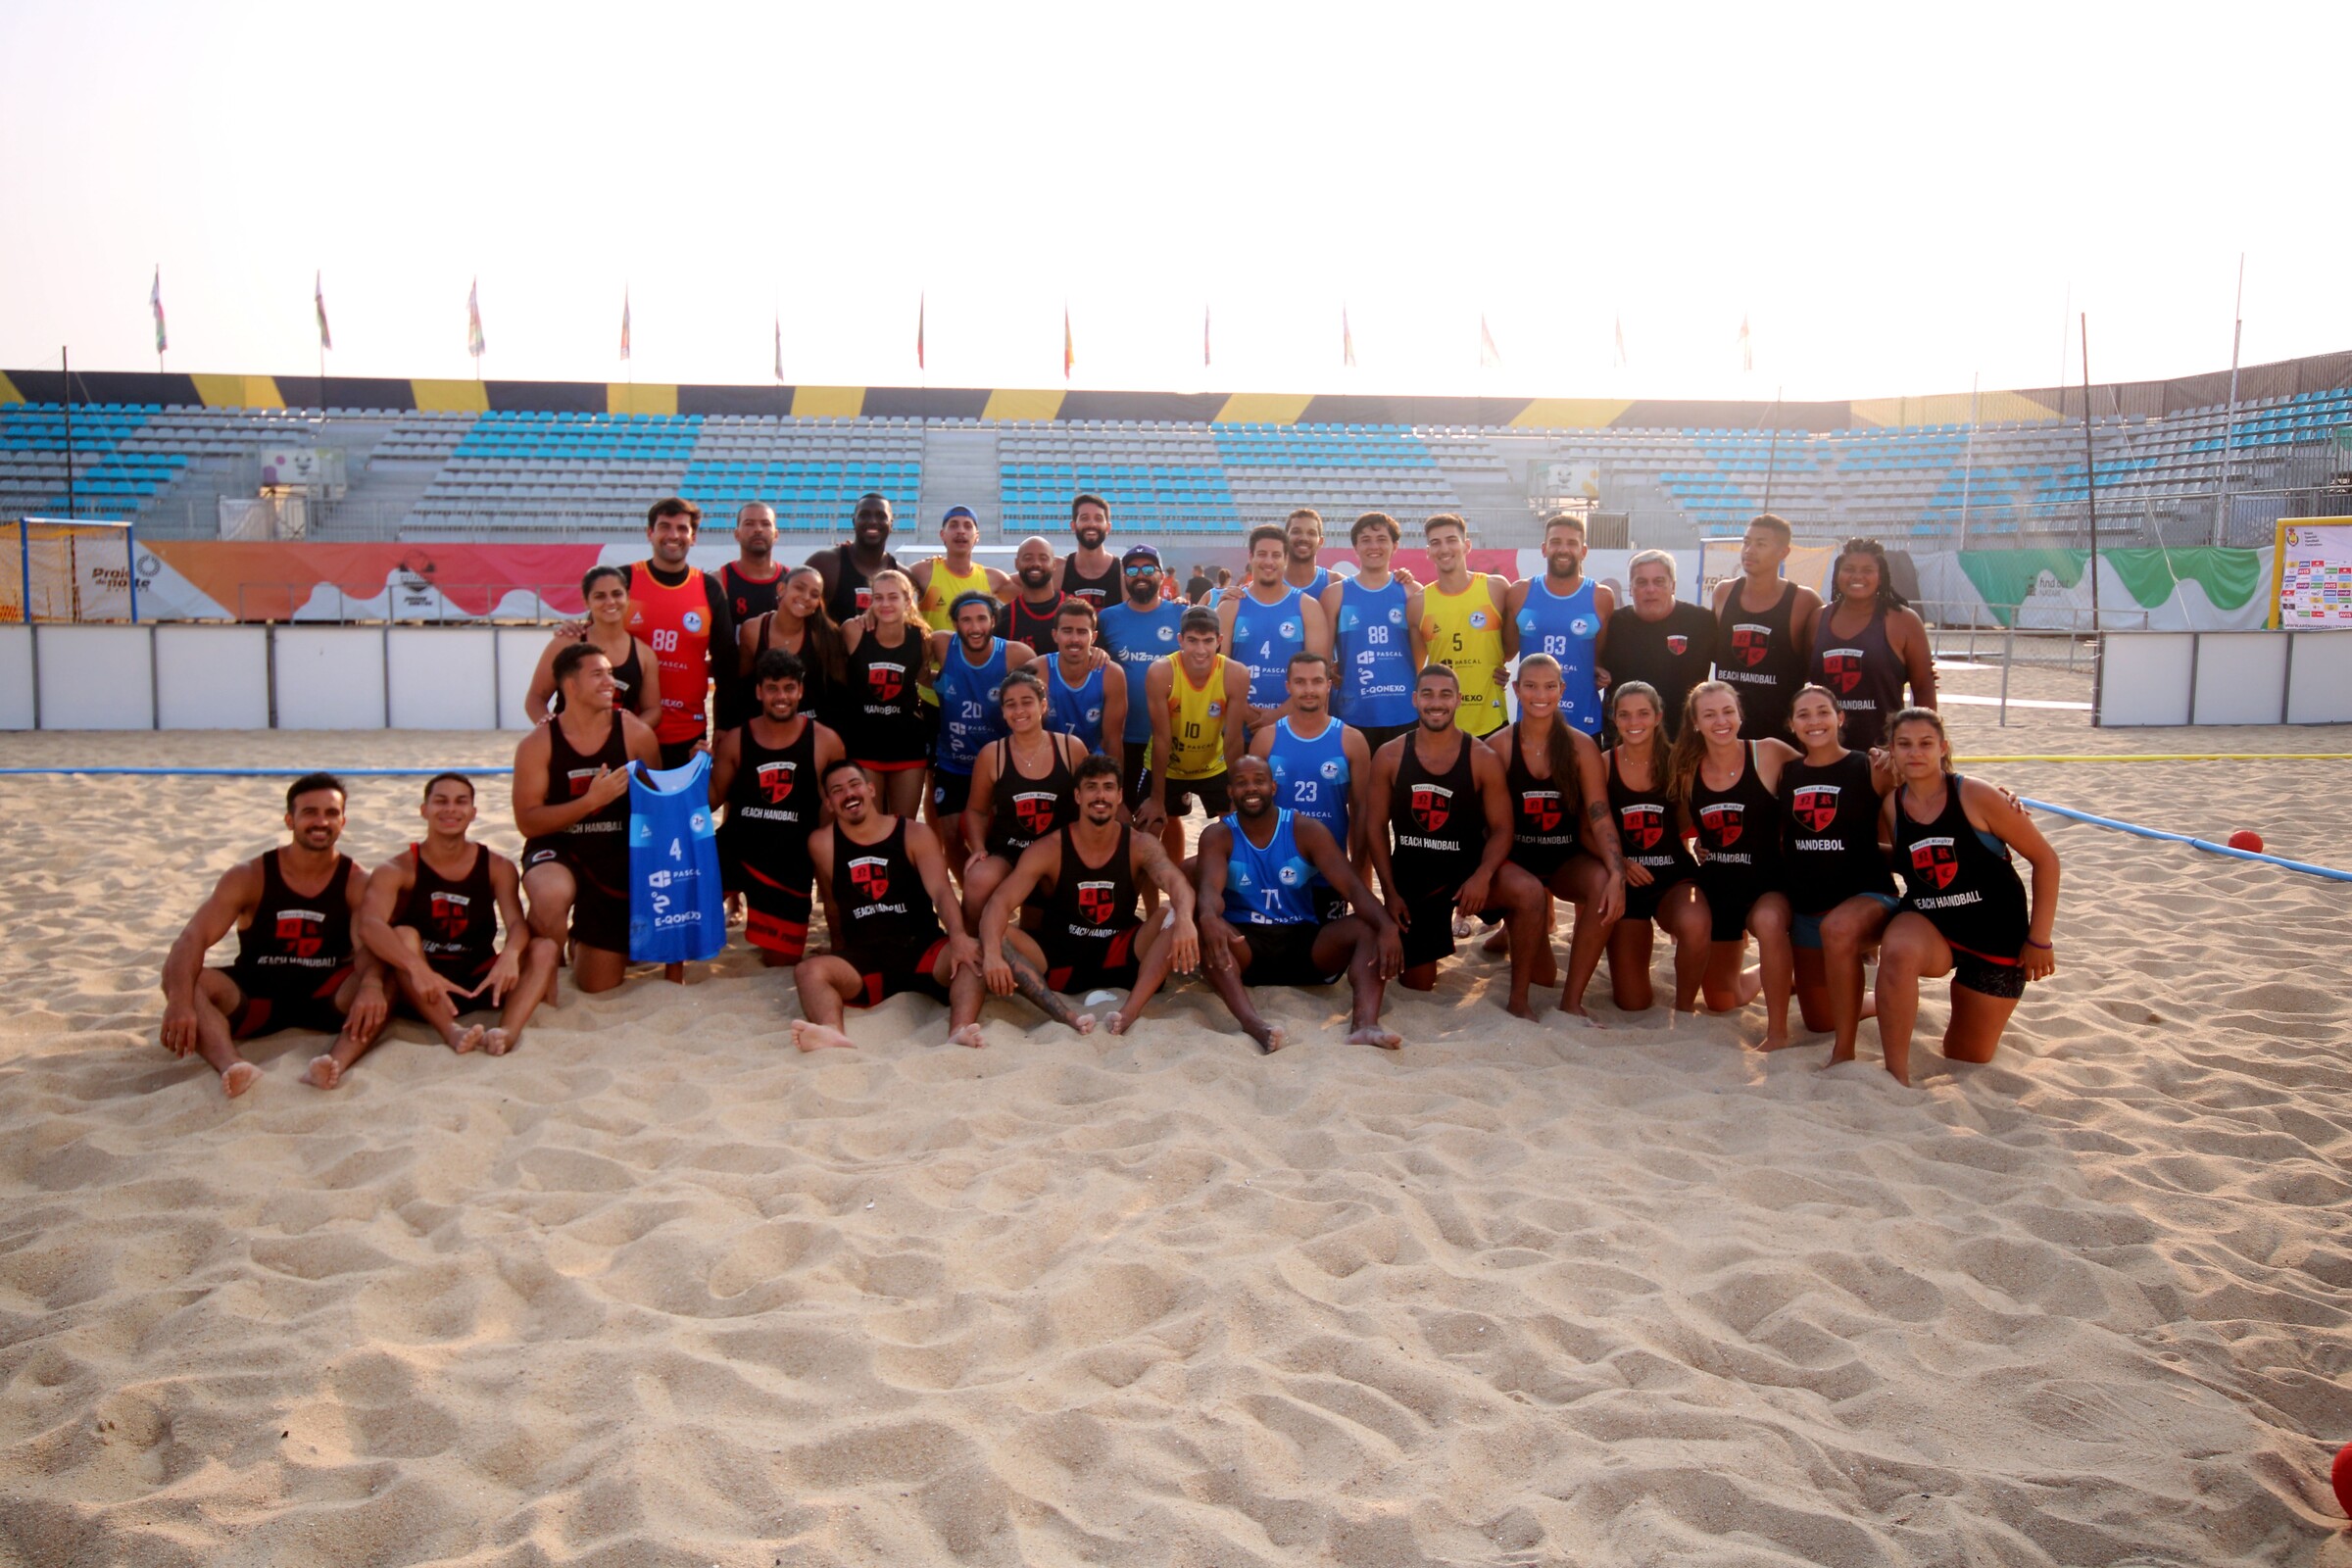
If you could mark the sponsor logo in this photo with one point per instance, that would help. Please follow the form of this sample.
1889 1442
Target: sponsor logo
1288 876
1934 861
870 874
1841 668
302 932
1540 809
1722 823
1643 825
1097 901
1395 617
1216 709
1751 644
1431 805
1330 768
1677 643
1478 621
1816 806
692 621
1289 628
776 781
1580 628
1167 635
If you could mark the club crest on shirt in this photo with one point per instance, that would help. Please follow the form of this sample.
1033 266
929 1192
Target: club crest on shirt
1934 861
870 874
1643 825
303 932
775 781
1752 643
1815 805
1478 621
1431 805
1097 901
451 914
1677 643
1841 668
1722 822
580 778
692 620
1034 810
885 682
1540 809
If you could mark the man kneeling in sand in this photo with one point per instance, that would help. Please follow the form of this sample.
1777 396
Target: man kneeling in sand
296 967
1261 927
886 890
1087 875
432 916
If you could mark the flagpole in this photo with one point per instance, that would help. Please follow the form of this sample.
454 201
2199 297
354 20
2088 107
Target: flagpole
2091 477
1772 452
64 362
2237 332
1968 461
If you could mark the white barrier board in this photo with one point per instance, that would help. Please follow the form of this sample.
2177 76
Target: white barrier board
212 677
96 677
2319 685
330 678
440 677
2145 678
2241 677
15 677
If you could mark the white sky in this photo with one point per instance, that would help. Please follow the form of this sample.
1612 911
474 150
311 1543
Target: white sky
1895 196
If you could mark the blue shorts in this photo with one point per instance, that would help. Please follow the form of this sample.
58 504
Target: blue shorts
1805 929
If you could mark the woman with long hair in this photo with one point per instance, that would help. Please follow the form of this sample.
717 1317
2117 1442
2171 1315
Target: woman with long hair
1840 894
886 659
1867 643
1965 912
1024 790
801 627
1725 785
606 629
1552 771
1661 880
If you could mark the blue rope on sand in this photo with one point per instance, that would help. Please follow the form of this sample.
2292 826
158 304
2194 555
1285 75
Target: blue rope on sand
2207 845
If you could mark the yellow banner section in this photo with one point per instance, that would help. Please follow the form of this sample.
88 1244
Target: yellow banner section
238 391
1570 413
639 397
827 401
1263 408
1014 404
451 397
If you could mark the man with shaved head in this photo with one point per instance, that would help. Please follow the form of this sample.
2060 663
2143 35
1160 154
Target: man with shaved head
1035 597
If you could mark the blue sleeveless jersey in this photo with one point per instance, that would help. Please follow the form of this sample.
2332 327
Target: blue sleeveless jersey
1264 637
970 714
1075 709
1566 629
1374 650
677 909
1268 886
1136 638
1311 778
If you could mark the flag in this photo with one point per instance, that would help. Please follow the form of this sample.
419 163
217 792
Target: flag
327 339
1205 334
625 321
1489 356
1069 350
1346 341
780 346
474 344
1622 360
155 297
1748 347
922 307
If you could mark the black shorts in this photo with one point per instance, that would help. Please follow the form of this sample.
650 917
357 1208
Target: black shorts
305 1007
1135 772
600 911
1985 977
1095 966
1430 937
1378 735
1729 898
460 971
776 910
1214 798
1283 956
882 975
677 754
951 793
1641 903
1330 903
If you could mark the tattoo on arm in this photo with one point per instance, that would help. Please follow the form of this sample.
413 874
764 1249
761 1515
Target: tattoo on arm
1604 833
1032 985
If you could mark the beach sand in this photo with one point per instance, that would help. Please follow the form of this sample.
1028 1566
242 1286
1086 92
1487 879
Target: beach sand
660 1289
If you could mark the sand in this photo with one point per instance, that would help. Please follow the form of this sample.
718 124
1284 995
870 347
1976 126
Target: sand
660 1289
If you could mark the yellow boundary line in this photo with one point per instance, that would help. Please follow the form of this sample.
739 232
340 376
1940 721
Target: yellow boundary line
2174 757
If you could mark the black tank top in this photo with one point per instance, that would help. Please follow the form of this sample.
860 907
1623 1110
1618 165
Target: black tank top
1646 828
599 841
1833 842
628 679
1865 675
1101 592
1029 809
887 916
1024 624
456 922
298 942
1969 889
1544 813
1739 828
816 687
881 716
1091 906
1439 822
749 597
846 598
772 805
1756 654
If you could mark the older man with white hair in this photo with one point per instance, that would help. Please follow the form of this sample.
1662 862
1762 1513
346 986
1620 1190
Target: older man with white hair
1657 638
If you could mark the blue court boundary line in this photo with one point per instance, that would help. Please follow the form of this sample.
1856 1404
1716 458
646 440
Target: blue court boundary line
2207 845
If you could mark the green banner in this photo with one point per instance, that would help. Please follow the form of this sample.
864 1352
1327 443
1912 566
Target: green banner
2005 578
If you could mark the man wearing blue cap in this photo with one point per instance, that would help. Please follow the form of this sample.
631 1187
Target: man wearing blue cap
1139 632
942 578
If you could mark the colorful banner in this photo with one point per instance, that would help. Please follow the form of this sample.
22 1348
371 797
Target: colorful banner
2200 589
2311 573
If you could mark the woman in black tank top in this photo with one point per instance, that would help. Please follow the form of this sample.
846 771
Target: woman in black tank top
881 716
1867 644
1965 912
1725 787
1550 824
634 673
1661 879
1011 806
1839 891
800 626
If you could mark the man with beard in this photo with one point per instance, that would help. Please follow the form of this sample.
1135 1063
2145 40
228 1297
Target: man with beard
887 900
1463 626
1259 925
1560 615
971 665
941 579
1033 599
1197 697
296 965
1086 694
1658 639
1269 621
682 612
1441 794
1139 632
1085 878
750 584
1303 542
765 774
1321 768
849 568
1764 631
1087 572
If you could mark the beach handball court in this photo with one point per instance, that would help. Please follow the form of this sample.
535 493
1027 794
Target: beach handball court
658 1289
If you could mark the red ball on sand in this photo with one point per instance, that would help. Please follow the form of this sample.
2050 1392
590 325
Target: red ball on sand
2245 837
2341 1475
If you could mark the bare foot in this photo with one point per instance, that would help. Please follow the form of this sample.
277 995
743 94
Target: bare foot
324 1072
1582 1017
1837 1059
816 1037
240 1076
1374 1035
1520 1007
1751 984
1118 1023
1270 1037
468 1041
971 1035
497 1042
1084 1023
1775 1040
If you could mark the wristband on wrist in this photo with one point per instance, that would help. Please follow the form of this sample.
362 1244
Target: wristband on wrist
2030 943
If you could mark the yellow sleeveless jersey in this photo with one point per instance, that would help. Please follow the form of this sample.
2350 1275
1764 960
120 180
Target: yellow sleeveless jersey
1464 632
1197 721
943 589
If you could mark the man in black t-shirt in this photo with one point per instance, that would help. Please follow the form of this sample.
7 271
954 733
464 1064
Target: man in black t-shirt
1197 585
1657 638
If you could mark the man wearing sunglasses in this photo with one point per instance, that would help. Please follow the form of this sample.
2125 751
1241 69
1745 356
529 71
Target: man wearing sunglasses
1138 631
849 568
